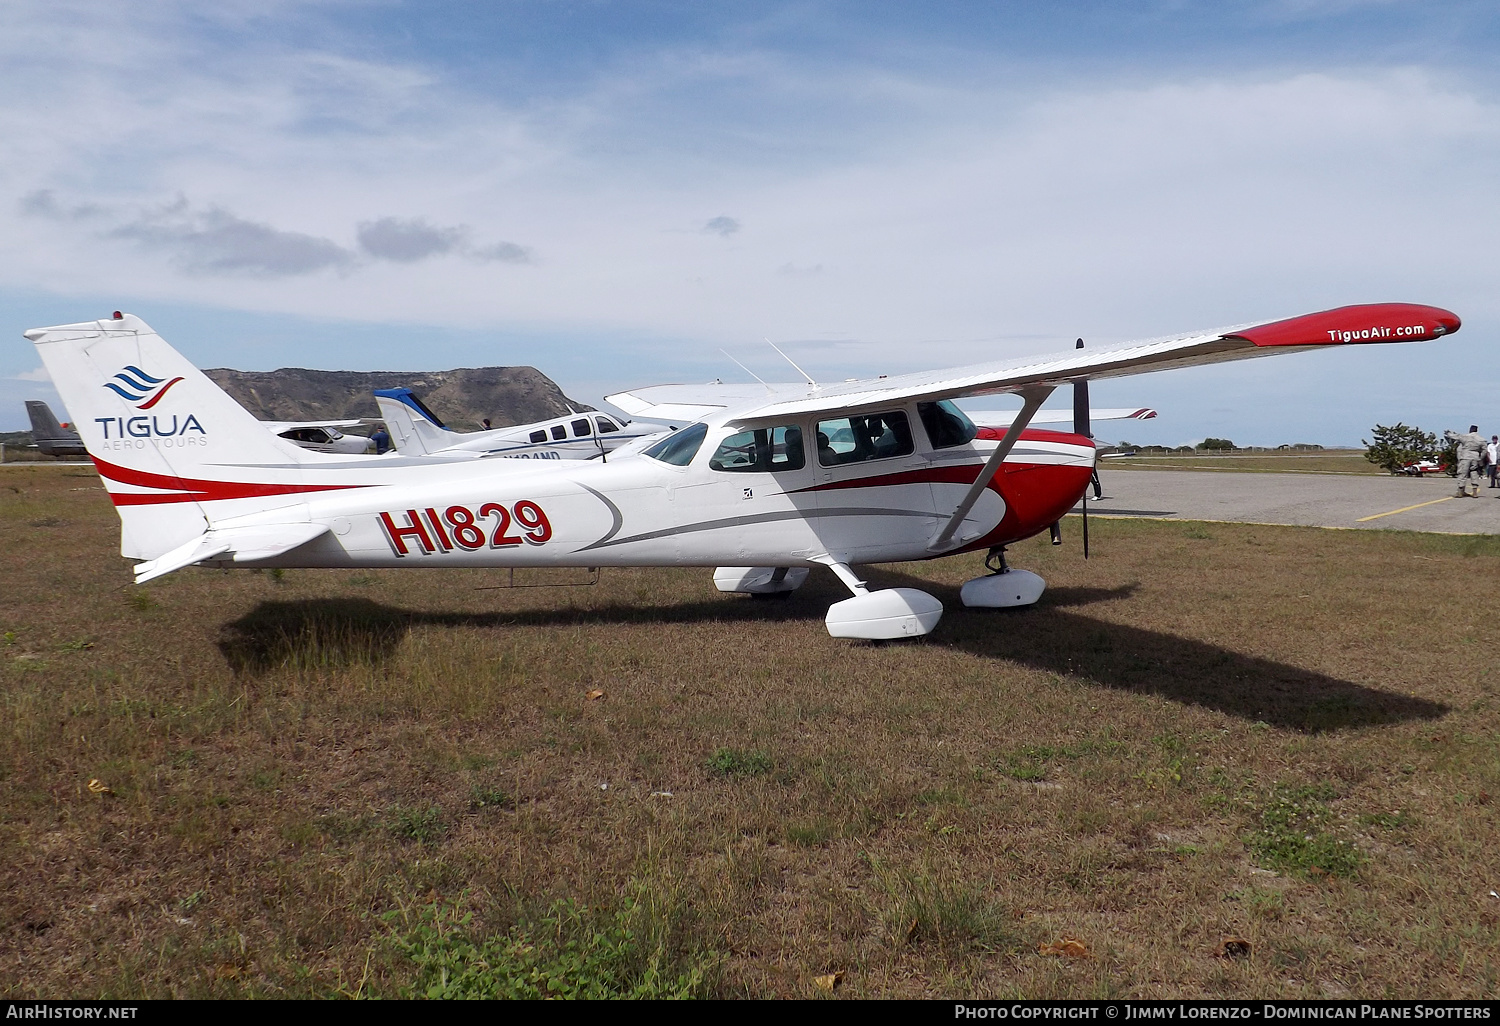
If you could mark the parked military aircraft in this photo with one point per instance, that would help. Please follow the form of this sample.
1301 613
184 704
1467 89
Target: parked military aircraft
52 438
761 486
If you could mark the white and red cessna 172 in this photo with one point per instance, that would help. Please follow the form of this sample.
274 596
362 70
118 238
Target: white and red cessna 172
766 482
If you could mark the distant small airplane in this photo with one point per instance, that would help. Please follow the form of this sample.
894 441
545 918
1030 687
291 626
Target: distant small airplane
765 484
417 431
52 438
323 435
55 439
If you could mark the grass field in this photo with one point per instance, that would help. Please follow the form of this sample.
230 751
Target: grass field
383 783
1330 461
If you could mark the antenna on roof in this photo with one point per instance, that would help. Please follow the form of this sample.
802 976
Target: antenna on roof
750 372
788 359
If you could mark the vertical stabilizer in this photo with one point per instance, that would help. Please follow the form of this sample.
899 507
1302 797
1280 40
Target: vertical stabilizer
415 430
175 451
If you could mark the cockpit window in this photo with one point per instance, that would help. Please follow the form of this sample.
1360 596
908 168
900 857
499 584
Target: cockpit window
765 449
605 424
680 447
946 424
875 436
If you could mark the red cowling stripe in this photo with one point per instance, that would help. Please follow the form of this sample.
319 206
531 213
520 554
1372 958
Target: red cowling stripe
194 489
157 397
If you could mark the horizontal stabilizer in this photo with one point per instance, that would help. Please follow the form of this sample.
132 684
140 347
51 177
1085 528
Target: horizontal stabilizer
243 544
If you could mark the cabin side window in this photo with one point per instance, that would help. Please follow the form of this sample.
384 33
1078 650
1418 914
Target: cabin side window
764 449
539 436
873 436
559 432
680 447
581 428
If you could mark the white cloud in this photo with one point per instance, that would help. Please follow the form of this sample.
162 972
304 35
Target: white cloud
968 222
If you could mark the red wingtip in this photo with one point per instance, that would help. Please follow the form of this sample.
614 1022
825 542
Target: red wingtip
1347 325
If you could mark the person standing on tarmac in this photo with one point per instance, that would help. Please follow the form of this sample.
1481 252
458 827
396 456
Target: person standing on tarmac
1470 459
1493 450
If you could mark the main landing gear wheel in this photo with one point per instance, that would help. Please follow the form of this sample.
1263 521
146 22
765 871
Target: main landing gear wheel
886 615
760 580
1005 588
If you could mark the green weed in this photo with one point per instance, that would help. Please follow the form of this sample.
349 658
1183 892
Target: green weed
570 952
1292 833
924 907
734 762
490 798
422 825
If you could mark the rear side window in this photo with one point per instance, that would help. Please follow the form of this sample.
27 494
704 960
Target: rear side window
765 449
559 432
946 424
876 436
680 447
539 436
581 429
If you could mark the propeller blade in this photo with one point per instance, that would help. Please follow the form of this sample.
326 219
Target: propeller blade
1081 424
1085 525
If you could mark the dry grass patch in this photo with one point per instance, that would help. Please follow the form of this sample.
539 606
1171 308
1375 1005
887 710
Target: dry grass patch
345 783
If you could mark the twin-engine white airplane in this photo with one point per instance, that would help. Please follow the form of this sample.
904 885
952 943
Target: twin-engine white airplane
417 431
764 484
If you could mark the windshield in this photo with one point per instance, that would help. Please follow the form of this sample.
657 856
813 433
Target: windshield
680 447
946 424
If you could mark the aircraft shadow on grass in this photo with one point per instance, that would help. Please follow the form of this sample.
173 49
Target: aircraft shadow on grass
1049 636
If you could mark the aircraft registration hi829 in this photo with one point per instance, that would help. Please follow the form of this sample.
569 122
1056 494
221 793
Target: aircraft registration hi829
766 482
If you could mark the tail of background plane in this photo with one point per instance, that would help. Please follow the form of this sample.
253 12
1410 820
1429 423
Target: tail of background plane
165 438
44 424
415 430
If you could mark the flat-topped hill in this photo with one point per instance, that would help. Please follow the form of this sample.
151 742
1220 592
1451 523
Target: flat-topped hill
461 397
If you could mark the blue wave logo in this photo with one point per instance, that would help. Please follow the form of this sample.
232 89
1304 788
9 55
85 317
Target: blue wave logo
139 388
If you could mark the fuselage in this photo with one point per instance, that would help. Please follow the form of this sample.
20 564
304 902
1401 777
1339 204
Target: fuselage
745 508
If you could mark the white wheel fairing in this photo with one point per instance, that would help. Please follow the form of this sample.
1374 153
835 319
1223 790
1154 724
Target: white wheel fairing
884 615
759 580
1003 591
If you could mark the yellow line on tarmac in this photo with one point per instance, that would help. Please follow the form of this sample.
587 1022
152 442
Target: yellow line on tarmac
1403 509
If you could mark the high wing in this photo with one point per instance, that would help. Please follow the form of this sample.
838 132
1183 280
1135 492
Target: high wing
1004 418
1347 325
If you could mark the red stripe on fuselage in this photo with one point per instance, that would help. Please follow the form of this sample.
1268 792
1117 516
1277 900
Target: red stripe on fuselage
188 489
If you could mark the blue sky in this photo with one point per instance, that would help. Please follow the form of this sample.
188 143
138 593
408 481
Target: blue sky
613 192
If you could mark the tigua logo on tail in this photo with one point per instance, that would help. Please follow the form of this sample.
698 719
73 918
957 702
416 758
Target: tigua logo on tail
134 380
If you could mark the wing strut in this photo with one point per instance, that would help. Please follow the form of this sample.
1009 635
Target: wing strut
1034 397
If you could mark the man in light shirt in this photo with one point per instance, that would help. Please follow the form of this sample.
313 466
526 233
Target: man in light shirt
1493 450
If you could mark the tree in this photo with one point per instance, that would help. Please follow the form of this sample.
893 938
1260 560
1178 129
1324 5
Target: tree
1217 445
1396 447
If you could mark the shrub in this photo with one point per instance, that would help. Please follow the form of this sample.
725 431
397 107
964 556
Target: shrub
1395 447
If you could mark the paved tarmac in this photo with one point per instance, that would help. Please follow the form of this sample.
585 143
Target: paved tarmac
1311 500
